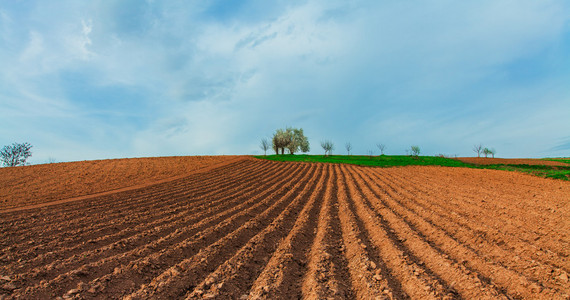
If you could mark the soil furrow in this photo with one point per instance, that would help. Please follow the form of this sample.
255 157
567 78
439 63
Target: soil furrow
512 282
251 229
184 276
38 185
503 229
233 278
467 284
511 215
282 276
490 237
142 234
149 258
88 205
465 243
147 199
108 229
119 202
372 274
326 277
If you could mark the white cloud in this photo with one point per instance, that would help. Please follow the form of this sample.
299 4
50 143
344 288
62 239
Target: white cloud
367 70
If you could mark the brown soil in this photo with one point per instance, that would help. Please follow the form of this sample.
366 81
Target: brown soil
511 161
36 184
254 229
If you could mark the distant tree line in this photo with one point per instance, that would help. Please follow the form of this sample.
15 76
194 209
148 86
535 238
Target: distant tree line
293 140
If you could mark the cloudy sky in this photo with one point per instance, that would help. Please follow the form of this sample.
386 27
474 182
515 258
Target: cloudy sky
105 79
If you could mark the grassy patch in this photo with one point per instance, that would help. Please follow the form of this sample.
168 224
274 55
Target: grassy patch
555 172
376 161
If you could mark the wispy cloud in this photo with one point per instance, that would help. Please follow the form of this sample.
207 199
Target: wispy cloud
141 78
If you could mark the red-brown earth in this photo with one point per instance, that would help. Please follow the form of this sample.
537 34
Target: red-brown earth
248 229
38 184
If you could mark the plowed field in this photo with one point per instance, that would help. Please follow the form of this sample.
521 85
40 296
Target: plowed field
272 230
37 184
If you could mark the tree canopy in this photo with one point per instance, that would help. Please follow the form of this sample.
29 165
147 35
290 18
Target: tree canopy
292 139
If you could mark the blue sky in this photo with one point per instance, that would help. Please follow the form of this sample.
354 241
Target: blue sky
105 79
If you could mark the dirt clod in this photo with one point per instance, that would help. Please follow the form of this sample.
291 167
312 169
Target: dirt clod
9 286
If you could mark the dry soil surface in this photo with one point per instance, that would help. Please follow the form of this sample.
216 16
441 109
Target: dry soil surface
255 229
511 161
21 186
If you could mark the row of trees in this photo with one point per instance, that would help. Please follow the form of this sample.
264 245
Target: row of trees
294 141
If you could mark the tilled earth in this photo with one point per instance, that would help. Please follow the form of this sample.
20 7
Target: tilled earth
260 229
45 183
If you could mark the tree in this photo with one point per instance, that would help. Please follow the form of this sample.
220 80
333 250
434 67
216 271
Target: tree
486 151
478 149
493 152
381 147
281 140
292 139
15 154
299 141
348 147
264 145
415 150
328 146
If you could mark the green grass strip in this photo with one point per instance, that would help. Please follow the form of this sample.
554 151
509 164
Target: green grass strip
556 172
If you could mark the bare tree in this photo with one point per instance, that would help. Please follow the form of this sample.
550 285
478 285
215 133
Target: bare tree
348 147
493 152
264 145
15 154
328 146
382 147
478 149
415 150
370 153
